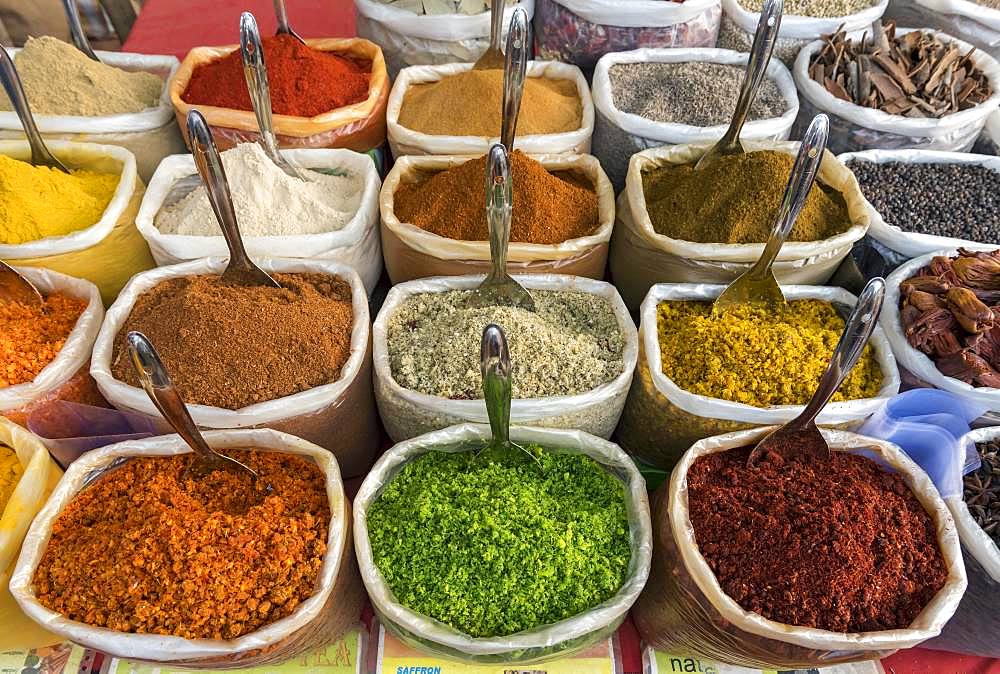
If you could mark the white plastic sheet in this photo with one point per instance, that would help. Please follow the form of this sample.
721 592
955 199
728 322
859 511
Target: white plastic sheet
560 639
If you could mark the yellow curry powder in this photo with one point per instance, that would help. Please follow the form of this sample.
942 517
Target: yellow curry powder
37 201
757 355
10 473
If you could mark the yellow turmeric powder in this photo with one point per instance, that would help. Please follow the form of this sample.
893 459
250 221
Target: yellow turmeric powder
10 473
758 355
38 202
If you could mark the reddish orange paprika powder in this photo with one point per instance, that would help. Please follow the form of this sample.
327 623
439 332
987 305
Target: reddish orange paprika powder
304 82
31 337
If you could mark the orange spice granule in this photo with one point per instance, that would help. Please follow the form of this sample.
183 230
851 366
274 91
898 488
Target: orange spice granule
31 336
142 551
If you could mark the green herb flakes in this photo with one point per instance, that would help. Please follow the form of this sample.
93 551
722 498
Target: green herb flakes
498 542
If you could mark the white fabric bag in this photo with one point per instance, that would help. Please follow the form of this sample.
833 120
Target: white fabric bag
355 244
661 419
560 639
150 135
407 413
967 20
976 623
409 39
914 244
739 25
684 609
582 31
67 377
618 135
412 253
914 361
989 139
339 416
321 618
404 141
640 257
854 128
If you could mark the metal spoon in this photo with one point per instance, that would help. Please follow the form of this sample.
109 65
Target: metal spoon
514 68
494 363
284 27
256 75
16 288
241 270
498 288
757 285
76 29
40 155
807 438
157 384
760 55
492 58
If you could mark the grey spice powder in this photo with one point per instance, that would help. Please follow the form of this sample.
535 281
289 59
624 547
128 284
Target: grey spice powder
696 93
570 345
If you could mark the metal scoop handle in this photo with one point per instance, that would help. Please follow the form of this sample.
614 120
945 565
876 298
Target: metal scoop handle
496 24
515 68
76 29
284 26
499 209
40 155
497 387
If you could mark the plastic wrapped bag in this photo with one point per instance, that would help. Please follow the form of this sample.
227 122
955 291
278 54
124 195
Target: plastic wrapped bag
150 135
409 39
975 23
407 413
684 610
661 420
339 416
412 253
618 135
914 244
582 31
914 361
560 639
854 128
67 377
640 257
109 252
738 27
319 619
989 139
976 623
359 127
355 244
404 141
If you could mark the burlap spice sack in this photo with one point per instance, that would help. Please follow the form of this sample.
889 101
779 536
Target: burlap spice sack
684 608
300 365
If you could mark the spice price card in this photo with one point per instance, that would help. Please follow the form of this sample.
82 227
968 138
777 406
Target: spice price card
657 662
394 657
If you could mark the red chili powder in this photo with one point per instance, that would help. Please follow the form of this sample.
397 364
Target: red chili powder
841 546
303 82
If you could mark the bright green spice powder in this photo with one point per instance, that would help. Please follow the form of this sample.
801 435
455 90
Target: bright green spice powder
497 542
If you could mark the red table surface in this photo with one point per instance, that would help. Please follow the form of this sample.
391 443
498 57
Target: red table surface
175 26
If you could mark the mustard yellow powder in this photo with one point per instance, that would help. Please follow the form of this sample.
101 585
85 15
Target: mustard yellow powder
758 355
38 202
10 473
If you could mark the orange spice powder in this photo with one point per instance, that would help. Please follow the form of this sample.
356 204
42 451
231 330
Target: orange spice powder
32 336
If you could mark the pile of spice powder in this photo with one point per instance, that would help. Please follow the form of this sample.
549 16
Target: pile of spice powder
547 209
735 200
31 336
756 355
982 490
37 201
698 93
231 346
818 8
304 82
496 542
570 344
469 104
59 79
841 545
187 557
10 473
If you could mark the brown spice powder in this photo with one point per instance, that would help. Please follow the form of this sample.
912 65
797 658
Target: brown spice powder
140 551
229 346
548 208
843 546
